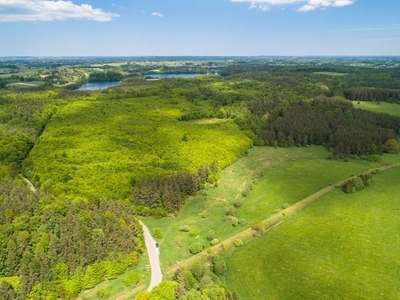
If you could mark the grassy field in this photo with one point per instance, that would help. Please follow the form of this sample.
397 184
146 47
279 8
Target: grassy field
383 107
343 246
290 174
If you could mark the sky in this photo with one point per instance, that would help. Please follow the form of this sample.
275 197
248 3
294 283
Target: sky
199 27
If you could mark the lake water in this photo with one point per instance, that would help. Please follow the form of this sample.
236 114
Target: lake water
98 85
161 76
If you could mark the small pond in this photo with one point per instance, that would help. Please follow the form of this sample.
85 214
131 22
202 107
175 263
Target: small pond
98 85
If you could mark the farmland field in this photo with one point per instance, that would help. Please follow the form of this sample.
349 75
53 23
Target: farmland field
343 246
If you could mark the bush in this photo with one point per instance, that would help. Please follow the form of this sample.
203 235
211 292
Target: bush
358 183
185 228
193 232
234 222
103 293
214 242
195 248
286 205
157 233
391 146
230 211
238 242
242 222
218 265
210 235
258 226
238 203
374 158
131 278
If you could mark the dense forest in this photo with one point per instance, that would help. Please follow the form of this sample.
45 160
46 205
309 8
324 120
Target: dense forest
99 159
57 247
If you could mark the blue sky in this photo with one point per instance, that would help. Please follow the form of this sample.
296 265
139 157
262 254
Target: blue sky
199 27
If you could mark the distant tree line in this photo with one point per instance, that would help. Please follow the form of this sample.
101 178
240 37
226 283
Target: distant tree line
332 122
373 94
110 75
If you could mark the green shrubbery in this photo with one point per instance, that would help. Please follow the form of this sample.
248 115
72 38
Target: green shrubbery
357 183
131 278
196 247
157 233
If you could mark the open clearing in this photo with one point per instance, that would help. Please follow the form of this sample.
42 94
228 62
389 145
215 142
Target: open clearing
290 174
343 246
392 109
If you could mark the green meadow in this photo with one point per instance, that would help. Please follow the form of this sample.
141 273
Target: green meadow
392 109
343 246
270 177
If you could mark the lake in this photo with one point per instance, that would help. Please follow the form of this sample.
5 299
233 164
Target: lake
98 85
162 76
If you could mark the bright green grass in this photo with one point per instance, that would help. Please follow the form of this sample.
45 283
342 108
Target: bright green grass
343 246
383 107
290 174
97 148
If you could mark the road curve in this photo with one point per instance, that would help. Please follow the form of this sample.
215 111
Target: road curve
153 252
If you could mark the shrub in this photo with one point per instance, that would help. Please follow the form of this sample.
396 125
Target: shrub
238 203
195 248
157 233
258 226
131 278
198 270
103 293
234 222
238 242
374 158
230 211
214 242
210 235
193 232
218 265
242 222
185 228
358 183
286 205
391 146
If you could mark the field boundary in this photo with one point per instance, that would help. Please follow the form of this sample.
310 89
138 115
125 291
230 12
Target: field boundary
268 223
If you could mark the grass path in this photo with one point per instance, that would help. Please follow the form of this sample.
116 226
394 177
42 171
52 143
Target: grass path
268 223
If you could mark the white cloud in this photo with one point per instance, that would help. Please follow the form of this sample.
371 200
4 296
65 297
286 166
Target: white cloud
45 10
157 14
306 8
309 5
